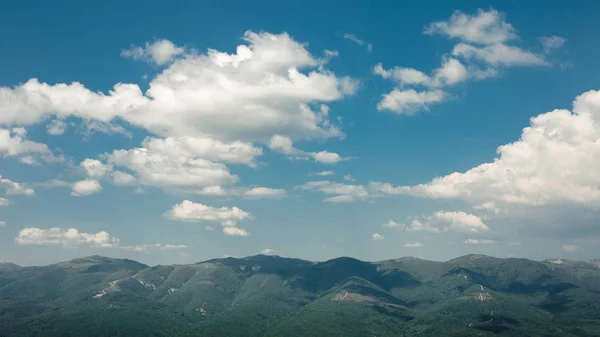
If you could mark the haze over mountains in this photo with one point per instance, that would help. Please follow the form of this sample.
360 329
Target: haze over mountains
473 295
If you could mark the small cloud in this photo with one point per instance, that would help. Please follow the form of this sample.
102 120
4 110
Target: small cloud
377 237
321 173
269 251
159 52
478 241
551 43
348 177
358 41
415 244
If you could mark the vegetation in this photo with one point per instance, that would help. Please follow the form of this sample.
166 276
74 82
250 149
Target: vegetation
473 295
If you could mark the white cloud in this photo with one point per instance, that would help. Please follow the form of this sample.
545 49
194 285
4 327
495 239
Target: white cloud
264 193
164 170
14 188
358 41
197 147
349 177
404 76
570 248
122 178
553 163
441 221
269 251
209 228
377 237
322 173
550 43
265 88
2 223
341 192
408 102
285 145
391 224
70 237
450 72
85 187
415 244
159 52
14 144
56 127
485 27
4 202
94 168
478 241
228 217
499 55
149 247
235 231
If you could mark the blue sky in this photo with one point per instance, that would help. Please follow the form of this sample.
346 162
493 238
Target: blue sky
301 129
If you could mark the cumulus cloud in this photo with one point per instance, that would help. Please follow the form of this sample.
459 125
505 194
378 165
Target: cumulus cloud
408 102
227 216
94 168
553 163
85 187
377 237
14 188
70 237
392 224
74 238
482 51
159 52
264 193
341 192
122 178
442 221
484 27
13 143
285 145
266 87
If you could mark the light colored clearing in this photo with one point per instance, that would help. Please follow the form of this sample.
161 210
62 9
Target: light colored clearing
256 268
147 285
465 277
242 268
480 286
172 290
111 285
483 296
556 261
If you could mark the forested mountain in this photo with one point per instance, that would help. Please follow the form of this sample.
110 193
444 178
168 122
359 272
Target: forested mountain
474 295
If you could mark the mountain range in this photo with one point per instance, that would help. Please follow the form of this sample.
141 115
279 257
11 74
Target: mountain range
473 295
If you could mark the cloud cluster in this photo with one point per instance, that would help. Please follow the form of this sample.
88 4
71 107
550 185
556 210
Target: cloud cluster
285 145
553 163
227 216
483 49
15 188
341 192
159 52
441 221
13 143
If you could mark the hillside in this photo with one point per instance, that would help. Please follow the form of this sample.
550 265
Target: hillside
474 295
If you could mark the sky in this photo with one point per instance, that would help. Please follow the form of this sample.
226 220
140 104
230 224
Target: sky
176 132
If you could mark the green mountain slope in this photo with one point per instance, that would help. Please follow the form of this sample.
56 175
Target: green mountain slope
474 295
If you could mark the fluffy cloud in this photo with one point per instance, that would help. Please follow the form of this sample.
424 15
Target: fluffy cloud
254 193
70 237
285 145
322 173
485 27
228 217
14 188
499 55
341 192
415 244
4 202
159 52
14 144
122 178
264 193
85 187
408 102
377 237
74 238
94 168
553 163
481 53
441 221
550 43
252 94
